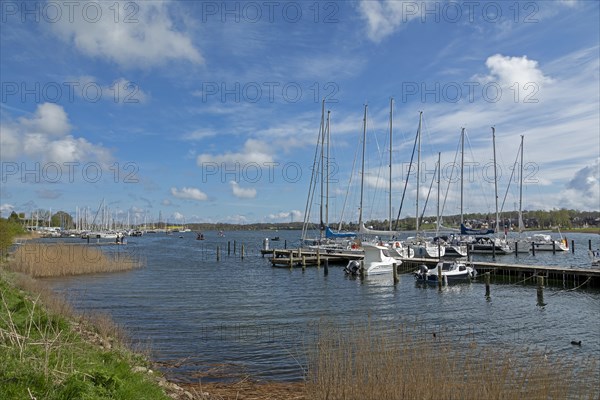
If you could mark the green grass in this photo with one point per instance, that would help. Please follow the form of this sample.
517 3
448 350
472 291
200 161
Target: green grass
48 355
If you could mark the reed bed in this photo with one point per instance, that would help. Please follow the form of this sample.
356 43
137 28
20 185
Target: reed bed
48 260
400 363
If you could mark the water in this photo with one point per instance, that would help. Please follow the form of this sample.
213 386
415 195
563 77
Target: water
214 319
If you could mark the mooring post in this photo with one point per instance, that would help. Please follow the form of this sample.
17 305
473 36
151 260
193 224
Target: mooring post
318 257
395 268
218 253
486 277
362 269
516 248
589 244
440 277
274 256
285 244
540 290
532 248
234 245
573 246
291 258
242 251
554 247
303 262
265 245
326 272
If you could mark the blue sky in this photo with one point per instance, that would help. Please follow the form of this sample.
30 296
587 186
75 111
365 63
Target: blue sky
210 111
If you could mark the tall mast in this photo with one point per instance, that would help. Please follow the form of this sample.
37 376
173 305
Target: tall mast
521 191
327 174
439 164
362 174
462 168
418 167
495 178
391 142
321 227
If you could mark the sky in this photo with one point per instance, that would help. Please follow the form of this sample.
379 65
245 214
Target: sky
210 111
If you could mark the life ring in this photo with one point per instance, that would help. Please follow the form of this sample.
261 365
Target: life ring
397 244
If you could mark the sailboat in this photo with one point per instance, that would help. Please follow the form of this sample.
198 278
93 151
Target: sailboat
492 245
397 249
421 246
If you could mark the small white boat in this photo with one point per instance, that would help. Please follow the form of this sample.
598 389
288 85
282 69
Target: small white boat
543 242
377 261
452 271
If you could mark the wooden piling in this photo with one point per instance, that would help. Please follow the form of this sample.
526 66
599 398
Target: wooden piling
318 257
229 248
540 291
326 272
532 249
303 263
285 244
440 278
589 244
218 253
516 248
573 246
242 251
292 259
395 273
362 269
554 247
234 244
486 277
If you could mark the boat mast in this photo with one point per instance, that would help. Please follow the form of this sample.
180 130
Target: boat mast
462 168
521 224
321 226
418 168
495 178
327 175
362 174
439 163
390 183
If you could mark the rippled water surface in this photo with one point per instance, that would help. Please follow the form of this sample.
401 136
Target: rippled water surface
243 316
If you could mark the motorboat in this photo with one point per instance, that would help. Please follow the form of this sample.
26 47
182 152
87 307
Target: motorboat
452 271
377 260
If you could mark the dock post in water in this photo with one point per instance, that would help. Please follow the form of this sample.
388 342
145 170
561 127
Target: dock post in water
234 243
516 248
318 257
395 273
486 277
589 244
218 253
439 271
274 257
292 259
362 269
326 272
532 249
303 263
573 245
540 291
265 246
242 251
554 247
285 244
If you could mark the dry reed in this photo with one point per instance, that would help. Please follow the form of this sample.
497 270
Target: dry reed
400 363
48 260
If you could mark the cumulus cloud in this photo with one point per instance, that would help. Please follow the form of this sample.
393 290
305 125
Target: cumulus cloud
507 71
242 193
293 215
142 34
177 216
6 209
46 136
254 151
189 193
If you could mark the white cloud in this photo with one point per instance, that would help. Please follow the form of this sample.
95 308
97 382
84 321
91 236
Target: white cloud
506 71
242 193
199 134
46 136
177 216
293 215
141 34
189 193
6 209
254 151
384 17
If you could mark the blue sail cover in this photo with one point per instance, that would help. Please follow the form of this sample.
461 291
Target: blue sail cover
468 231
331 234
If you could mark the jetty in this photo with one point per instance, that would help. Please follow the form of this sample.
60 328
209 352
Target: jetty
565 275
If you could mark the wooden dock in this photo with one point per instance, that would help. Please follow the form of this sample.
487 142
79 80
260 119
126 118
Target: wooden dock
567 276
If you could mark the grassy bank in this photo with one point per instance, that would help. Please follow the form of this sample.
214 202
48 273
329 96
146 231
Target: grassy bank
45 260
48 353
